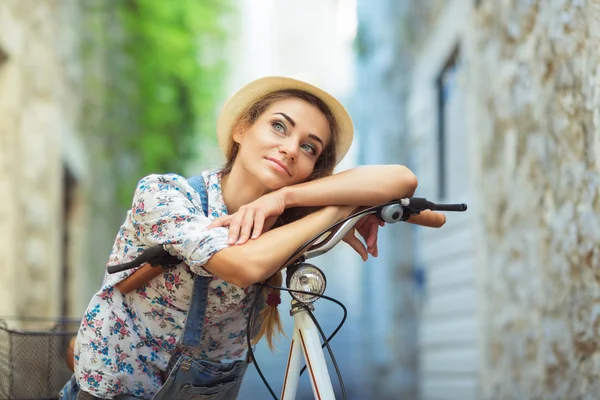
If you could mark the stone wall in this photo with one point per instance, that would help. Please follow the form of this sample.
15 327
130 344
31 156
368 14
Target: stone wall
535 78
57 209
36 105
533 82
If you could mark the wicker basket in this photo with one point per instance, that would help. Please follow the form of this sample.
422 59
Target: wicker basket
32 356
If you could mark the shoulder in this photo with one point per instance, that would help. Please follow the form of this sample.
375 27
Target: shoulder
158 182
163 185
170 181
167 187
212 179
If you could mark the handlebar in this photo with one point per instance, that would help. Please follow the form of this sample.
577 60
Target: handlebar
416 210
407 209
154 256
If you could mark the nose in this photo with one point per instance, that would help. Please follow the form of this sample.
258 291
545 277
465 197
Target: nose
290 148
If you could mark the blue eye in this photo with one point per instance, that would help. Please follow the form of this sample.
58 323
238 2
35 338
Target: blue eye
278 126
312 149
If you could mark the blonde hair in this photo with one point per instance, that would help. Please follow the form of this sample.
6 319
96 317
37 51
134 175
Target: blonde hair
269 317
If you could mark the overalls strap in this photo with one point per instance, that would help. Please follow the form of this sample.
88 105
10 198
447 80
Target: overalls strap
199 378
192 332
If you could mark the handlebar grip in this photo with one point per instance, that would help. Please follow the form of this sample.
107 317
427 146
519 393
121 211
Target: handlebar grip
428 218
139 278
451 207
112 269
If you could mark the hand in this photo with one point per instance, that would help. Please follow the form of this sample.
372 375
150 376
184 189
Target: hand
368 228
253 218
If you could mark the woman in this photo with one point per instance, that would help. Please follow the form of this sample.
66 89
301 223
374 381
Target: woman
183 333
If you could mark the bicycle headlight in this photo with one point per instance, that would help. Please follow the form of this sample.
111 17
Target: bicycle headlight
307 278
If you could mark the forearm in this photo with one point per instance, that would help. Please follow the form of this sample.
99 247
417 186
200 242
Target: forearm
362 186
256 260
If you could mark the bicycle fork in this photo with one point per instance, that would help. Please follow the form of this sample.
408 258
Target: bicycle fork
306 341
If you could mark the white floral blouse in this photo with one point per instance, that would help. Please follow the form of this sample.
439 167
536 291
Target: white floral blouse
126 342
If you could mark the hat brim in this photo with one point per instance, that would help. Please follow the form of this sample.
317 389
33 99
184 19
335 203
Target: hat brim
255 90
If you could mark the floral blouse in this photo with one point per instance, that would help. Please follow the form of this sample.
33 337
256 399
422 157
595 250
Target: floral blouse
125 342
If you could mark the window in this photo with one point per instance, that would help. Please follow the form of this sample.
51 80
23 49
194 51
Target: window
69 187
3 56
450 124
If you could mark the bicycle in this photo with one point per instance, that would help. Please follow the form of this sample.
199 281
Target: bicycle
306 283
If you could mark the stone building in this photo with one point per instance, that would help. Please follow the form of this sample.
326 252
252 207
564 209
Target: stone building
54 232
498 106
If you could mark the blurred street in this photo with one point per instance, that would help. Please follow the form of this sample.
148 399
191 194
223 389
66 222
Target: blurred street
495 104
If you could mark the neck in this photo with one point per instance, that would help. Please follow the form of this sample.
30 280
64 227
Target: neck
240 188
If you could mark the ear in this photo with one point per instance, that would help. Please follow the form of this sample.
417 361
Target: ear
237 133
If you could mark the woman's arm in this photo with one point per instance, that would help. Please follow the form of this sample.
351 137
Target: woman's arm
362 186
165 211
258 259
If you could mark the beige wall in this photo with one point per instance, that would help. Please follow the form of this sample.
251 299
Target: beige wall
34 107
532 80
41 107
536 83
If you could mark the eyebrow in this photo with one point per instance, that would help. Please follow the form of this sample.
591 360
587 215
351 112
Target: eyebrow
310 135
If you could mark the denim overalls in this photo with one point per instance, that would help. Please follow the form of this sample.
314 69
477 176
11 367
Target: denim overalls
192 379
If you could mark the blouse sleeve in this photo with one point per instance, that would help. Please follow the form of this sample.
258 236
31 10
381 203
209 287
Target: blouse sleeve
167 210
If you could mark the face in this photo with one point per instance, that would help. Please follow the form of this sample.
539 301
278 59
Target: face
283 145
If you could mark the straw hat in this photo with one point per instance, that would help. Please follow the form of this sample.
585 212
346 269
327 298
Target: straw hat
247 95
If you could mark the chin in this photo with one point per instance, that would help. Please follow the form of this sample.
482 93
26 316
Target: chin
273 182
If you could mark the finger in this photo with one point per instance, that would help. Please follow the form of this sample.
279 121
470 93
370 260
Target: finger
235 225
259 221
371 249
361 222
221 221
357 245
367 241
365 225
372 235
432 219
369 233
375 251
246 228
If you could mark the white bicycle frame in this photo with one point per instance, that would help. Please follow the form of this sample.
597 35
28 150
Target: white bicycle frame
306 341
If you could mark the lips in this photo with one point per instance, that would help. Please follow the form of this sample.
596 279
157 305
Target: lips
279 163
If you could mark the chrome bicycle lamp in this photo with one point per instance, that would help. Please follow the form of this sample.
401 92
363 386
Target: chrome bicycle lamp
307 278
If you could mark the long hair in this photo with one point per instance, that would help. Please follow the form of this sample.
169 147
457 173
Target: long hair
269 316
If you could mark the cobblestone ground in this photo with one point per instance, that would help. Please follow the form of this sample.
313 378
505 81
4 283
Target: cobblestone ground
343 268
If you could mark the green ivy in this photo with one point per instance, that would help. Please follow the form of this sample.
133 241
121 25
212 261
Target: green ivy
168 75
